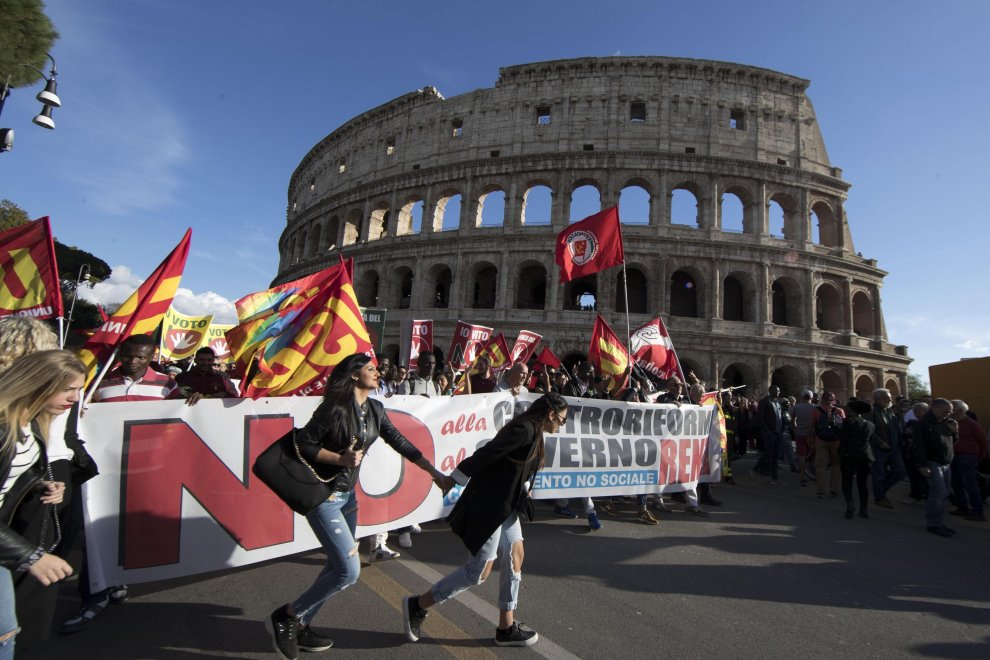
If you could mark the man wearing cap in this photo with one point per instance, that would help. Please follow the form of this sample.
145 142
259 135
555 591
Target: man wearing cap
804 417
888 469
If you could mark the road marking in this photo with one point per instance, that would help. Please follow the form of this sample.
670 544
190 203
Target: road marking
544 646
438 626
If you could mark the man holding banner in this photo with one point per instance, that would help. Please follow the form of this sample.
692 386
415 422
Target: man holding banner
203 381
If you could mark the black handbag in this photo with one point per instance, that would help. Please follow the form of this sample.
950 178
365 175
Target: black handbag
283 469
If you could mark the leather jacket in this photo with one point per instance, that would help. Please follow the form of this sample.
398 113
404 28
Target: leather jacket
316 435
15 550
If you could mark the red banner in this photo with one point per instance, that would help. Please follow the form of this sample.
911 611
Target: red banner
415 337
29 284
525 344
544 357
466 343
652 349
591 245
142 312
607 354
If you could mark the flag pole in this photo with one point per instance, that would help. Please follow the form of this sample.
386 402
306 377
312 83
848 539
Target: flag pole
99 378
625 290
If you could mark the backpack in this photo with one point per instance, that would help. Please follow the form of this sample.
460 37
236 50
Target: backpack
827 426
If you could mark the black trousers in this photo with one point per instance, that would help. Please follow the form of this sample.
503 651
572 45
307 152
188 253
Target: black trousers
858 468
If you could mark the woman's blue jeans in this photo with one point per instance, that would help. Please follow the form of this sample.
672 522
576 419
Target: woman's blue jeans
334 523
8 614
470 574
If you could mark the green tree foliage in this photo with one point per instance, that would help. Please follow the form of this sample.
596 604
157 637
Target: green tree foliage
11 214
917 387
26 34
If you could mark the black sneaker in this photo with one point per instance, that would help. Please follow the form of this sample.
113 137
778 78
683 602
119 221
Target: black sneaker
413 621
284 629
310 641
516 635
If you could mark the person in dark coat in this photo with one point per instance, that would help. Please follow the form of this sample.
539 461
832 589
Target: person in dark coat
485 517
856 455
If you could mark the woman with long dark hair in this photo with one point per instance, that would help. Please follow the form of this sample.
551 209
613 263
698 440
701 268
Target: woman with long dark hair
487 520
333 442
34 390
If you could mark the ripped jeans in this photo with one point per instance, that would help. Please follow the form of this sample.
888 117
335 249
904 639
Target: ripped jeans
469 575
8 615
333 522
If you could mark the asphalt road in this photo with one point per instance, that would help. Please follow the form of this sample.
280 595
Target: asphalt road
773 572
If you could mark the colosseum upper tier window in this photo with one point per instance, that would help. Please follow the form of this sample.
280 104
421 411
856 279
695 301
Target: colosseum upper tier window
456 128
390 147
737 120
543 115
637 111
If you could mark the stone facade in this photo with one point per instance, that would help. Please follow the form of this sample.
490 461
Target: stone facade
745 305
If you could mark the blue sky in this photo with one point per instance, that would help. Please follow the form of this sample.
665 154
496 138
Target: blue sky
179 113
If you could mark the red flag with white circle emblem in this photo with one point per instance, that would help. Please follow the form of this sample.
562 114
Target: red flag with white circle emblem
591 245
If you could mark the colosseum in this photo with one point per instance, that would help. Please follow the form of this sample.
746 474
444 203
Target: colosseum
733 217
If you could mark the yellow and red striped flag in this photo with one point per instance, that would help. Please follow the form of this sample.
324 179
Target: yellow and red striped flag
607 354
28 272
142 312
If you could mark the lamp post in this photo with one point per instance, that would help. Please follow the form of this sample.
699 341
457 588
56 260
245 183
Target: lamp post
49 100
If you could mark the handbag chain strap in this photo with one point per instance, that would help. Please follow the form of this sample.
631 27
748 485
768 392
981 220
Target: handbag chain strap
306 463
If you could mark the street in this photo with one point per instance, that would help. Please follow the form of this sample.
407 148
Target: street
772 572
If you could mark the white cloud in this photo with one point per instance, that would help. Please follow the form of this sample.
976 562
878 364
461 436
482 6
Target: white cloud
123 282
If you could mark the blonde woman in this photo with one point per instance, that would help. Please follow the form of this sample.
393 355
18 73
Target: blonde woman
33 390
20 335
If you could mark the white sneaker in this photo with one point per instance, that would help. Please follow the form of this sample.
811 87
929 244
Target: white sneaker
415 529
382 553
405 540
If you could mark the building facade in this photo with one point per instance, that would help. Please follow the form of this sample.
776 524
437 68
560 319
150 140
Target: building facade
450 209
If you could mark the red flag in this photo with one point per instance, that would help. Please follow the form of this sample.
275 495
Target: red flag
29 284
320 333
496 351
544 358
525 344
607 354
653 351
591 245
142 312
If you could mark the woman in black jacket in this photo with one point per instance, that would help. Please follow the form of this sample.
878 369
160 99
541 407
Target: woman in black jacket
485 517
35 389
333 443
856 455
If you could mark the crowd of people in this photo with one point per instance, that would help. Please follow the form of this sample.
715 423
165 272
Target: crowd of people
936 444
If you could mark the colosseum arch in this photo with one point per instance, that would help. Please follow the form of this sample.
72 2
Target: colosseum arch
378 221
400 285
447 211
863 314
684 204
313 248
586 199
437 286
531 285
352 227
410 220
484 285
635 207
491 208
367 287
787 302
789 379
691 364
864 388
739 297
832 381
828 228
828 308
894 387
582 293
537 203
783 217
686 291
331 232
639 290
738 374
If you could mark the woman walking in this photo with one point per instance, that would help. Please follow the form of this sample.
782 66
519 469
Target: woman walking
333 441
487 520
35 389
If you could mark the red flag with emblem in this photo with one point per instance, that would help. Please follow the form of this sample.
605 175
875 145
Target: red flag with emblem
29 284
591 245
142 312
653 350
525 344
607 354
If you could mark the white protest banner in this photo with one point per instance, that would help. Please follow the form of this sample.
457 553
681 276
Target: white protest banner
176 496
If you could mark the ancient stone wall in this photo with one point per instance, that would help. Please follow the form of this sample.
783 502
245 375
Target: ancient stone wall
775 292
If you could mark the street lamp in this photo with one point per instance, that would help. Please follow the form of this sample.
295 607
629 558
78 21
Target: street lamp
49 100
